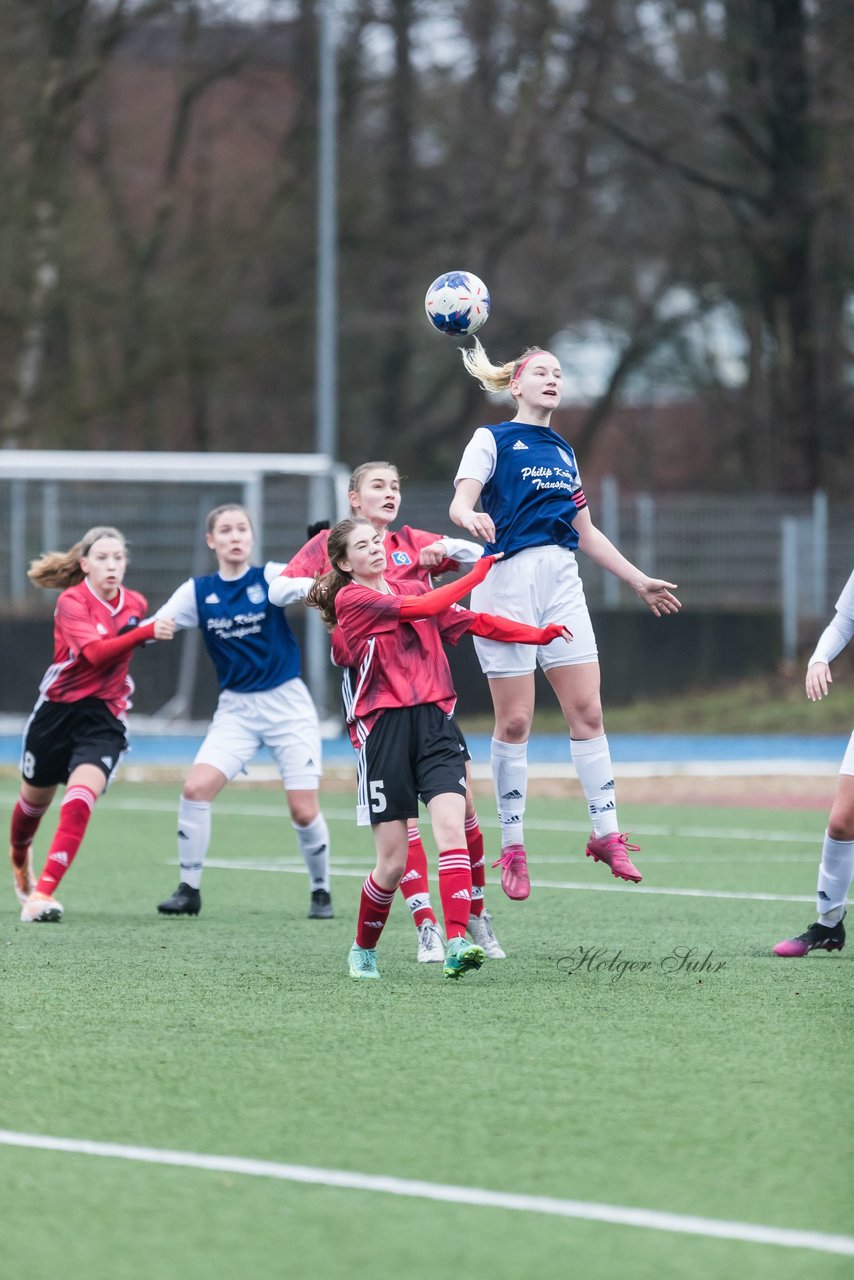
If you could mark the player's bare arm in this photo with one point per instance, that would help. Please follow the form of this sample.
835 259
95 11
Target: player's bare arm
656 593
462 511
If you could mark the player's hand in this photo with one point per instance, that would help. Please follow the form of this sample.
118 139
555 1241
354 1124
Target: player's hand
555 631
658 595
164 628
818 678
433 555
480 525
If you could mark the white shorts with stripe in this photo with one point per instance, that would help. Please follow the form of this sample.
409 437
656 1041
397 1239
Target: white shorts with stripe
283 719
537 586
847 765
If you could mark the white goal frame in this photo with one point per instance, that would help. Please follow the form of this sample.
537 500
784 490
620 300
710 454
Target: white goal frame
34 478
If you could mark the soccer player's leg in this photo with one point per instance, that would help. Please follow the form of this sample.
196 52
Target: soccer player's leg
442 786
480 922
576 686
385 797
30 807
415 888
204 783
509 669
231 741
291 730
85 783
835 873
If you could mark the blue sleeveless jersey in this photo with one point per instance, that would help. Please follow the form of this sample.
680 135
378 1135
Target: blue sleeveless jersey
249 639
535 491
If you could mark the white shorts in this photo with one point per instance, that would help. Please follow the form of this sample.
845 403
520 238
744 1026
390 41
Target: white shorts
283 719
847 765
537 586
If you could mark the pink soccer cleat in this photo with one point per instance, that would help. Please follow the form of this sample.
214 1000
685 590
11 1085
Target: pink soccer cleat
612 850
818 937
514 872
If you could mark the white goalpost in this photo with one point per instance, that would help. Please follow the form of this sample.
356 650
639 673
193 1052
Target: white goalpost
48 498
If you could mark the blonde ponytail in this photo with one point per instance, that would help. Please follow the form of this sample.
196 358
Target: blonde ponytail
492 377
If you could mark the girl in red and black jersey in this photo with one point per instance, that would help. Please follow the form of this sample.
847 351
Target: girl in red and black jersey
374 492
400 722
77 731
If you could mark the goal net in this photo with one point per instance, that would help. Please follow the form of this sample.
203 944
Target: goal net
159 501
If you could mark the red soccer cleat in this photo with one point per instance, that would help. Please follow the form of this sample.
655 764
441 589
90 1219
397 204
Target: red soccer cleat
514 872
612 850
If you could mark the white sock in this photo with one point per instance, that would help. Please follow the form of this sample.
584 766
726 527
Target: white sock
313 843
592 761
834 879
194 836
510 779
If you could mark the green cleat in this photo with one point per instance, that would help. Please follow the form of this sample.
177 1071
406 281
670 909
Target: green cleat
363 962
460 956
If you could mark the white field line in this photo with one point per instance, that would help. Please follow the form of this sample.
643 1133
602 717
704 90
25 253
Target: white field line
590 1211
570 859
281 868
279 811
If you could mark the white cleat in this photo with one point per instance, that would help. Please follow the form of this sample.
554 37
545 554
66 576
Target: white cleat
430 949
480 931
40 908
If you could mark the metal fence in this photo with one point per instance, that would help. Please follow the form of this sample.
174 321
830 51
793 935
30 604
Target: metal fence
762 551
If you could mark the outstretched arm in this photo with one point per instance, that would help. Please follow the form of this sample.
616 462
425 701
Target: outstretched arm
283 591
459 549
655 592
100 652
492 627
438 600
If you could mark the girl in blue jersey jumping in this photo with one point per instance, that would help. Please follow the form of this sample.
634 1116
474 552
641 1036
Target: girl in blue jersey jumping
262 702
534 511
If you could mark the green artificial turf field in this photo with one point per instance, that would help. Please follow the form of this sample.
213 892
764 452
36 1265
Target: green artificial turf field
719 1092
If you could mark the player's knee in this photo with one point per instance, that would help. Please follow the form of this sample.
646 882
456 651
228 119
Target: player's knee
197 792
840 825
514 726
303 811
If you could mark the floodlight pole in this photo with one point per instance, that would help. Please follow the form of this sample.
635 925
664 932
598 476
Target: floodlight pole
321 503
326 316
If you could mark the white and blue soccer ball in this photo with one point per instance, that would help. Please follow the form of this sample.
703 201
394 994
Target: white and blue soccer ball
457 303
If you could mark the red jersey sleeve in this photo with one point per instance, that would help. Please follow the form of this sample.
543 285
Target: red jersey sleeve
455 623
311 559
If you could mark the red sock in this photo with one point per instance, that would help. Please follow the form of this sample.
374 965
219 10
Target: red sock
455 890
374 906
474 841
74 814
25 823
414 886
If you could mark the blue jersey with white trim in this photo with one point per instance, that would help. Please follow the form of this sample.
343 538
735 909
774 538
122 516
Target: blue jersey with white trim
249 640
534 493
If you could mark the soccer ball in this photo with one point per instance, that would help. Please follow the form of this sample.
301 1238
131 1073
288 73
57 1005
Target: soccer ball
457 303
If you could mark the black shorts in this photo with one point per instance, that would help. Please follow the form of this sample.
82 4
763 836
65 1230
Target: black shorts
62 735
411 754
